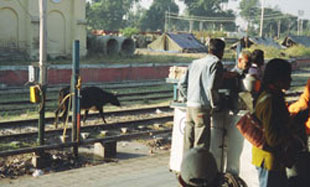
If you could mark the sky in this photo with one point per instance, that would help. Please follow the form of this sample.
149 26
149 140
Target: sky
286 6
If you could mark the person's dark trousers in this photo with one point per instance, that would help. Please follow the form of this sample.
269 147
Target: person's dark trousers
268 178
197 128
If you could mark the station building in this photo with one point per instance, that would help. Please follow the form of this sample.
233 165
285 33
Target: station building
20 22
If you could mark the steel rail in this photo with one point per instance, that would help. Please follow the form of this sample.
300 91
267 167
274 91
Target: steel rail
126 100
121 85
33 122
24 101
110 126
85 142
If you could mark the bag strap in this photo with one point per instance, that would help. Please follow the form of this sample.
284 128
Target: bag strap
260 100
253 112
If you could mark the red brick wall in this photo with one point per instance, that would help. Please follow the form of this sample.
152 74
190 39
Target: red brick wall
19 76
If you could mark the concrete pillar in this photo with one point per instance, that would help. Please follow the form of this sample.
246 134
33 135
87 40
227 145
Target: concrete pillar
40 160
191 25
200 26
105 149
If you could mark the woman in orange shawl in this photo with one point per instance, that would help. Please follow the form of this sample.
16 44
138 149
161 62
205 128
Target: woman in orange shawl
302 104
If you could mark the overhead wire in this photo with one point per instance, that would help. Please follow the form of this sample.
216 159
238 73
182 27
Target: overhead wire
200 18
203 17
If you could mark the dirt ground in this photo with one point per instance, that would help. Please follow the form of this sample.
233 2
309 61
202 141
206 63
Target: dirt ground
13 167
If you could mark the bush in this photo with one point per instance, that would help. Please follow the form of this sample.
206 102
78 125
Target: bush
269 51
298 51
129 31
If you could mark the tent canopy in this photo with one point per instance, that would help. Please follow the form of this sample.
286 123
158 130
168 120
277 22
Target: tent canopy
177 42
248 41
296 40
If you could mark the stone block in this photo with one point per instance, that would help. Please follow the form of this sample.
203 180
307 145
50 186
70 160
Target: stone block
40 160
105 149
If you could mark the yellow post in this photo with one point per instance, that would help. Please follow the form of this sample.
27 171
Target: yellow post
34 94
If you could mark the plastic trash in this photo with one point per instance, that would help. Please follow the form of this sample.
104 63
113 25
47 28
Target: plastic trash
37 173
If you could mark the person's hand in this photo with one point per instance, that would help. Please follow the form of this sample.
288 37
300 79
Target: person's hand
229 75
214 111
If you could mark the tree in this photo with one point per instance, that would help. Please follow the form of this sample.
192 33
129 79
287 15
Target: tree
203 7
154 18
129 31
135 16
273 18
107 14
250 9
210 8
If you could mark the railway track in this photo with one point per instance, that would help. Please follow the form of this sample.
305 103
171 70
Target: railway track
143 125
131 124
158 93
145 93
50 120
17 100
124 101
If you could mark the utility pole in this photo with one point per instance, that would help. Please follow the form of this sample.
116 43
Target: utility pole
191 24
43 68
262 19
298 27
279 28
165 21
301 26
75 87
169 19
300 22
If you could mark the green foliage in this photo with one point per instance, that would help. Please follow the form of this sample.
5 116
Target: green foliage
203 7
270 27
271 52
134 18
14 145
129 31
298 51
210 8
249 9
154 18
107 14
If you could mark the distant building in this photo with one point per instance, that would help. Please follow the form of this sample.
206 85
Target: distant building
19 28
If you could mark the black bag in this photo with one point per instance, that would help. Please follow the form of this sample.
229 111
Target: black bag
229 180
298 175
293 151
287 153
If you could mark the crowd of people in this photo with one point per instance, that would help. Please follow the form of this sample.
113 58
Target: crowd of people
216 98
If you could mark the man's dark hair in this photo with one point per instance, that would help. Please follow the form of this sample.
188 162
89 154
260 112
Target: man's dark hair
258 57
216 46
276 69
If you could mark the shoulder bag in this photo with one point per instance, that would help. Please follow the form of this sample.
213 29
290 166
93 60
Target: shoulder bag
252 130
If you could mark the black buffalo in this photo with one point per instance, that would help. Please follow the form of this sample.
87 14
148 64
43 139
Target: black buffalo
91 98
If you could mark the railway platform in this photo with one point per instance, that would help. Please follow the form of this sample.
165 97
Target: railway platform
136 167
